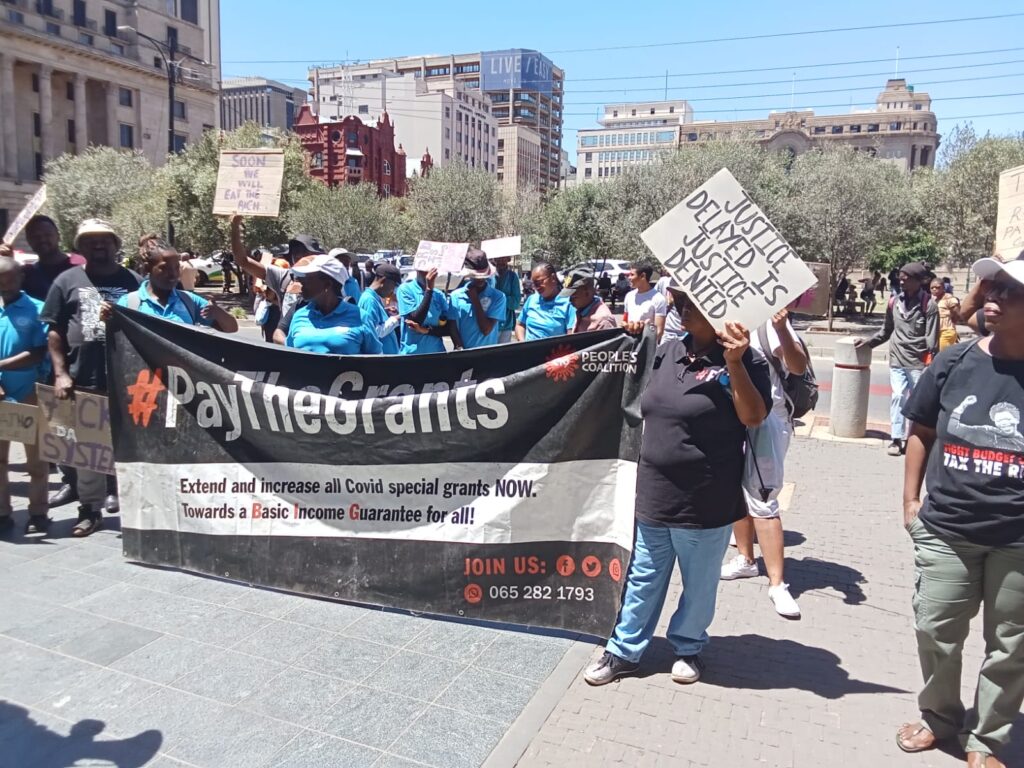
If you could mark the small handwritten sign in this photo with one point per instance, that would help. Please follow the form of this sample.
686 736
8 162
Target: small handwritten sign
1010 214
31 209
502 247
75 432
18 422
447 258
728 257
249 182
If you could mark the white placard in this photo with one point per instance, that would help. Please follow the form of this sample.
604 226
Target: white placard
448 258
31 209
1010 216
502 247
728 257
249 182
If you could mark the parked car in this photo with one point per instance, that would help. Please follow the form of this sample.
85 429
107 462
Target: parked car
613 268
390 256
209 270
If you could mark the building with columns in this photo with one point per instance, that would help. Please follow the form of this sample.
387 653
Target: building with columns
70 78
258 100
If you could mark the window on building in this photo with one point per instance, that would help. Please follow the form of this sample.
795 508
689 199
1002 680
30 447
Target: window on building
501 143
180 140
672 109
458 117
447 133
86 39
69 90
918 106
437 71
364 109
447 154
914 126
52 28
180 112
458 137
35 83
587 156
925 155
819 129
71 131
190 11
461 69
447 112
615 113
157 61
854 129
37 126
895 126
316 160
872 127
127 133
39 165
110 23
587 173
78 13
837 129
387 168
124 97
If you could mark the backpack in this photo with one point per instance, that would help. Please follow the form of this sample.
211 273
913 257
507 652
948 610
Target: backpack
135 301
801 392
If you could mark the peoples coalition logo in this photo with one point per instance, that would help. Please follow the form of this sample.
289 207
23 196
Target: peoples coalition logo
563 363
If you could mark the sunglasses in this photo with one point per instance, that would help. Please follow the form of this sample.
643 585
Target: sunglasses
999 290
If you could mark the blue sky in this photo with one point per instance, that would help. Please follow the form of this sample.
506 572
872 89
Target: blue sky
258 39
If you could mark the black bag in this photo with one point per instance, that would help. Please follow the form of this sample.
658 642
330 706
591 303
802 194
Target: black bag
801 391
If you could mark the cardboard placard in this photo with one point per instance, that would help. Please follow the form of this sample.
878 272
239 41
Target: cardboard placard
75 432
249 182
18 422
31 209
502 247
728 257
814 301
1010 216
448 258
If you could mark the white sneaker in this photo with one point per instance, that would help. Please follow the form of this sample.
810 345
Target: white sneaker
785 605
739 568
687 669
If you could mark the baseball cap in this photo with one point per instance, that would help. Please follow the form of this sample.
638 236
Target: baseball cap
991 267
336 252
915 270
578 278
96 227
325 264
476 265
306 242
388 272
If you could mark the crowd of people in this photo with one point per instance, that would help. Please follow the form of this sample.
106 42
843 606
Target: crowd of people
718 420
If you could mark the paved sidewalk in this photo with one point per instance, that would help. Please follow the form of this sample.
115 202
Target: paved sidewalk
830 689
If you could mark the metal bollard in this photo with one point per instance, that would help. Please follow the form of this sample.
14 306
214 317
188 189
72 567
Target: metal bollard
851 385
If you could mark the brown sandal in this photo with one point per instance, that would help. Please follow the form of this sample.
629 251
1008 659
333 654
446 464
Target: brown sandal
903 738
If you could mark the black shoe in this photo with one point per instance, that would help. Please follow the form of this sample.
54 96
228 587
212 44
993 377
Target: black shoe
88 522
65 495
111 505
6 524
37 524
607 668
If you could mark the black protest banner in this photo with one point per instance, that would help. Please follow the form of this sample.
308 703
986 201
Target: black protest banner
495 484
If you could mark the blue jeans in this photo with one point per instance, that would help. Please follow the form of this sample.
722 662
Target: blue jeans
700 556
902 381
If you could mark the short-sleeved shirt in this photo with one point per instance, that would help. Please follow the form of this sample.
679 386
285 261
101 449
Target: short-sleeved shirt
595 317
409 295
176 311
975 477
73 307
691 457
340 332
352 289
946 305
508 283
278 279
543 318
371 307
460 311
644 307
39 277
21 330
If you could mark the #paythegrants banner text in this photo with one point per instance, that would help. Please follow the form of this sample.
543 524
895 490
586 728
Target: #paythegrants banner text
492 484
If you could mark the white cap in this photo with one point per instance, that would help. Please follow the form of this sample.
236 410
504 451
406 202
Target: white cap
326 264
96 227
990 268
336 252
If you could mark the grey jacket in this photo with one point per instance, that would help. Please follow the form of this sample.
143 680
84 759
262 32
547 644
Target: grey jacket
912 331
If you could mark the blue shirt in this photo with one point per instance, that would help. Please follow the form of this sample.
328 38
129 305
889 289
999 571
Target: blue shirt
543 318
375 316
21 330
175 311
461 313
509 285
339 333
409 295
352 289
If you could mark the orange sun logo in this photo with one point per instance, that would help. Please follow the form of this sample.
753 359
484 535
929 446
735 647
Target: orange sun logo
562 363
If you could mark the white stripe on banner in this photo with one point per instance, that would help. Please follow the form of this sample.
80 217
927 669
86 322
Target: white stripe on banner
485 503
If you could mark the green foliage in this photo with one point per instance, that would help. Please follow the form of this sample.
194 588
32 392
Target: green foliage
455 204
916 244
351 217
571 224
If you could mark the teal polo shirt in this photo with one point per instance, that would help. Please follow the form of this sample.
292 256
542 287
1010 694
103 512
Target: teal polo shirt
21 330
175 311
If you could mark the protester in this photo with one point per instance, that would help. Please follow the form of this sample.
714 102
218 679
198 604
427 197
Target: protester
227 272
620 290
592 314
867 293
663 281
779 344
703 394
968 533
158 295
22 364
326 323
545 312
77 342
912 324
352 288
949 314
425 314
477 309
507 281
645 303
947 285
371 306
44 240
267 312
189 273
604 286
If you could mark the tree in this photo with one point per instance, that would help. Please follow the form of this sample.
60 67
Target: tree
455 204
106 183
570 225
915 244
841 206
350 216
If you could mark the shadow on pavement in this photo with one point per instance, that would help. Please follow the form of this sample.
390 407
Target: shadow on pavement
792 539
812 574
24 742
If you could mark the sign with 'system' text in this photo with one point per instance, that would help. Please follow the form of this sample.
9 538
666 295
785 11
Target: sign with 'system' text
18 422
1010 216
31 209
728 257
447 258
75 432
249 182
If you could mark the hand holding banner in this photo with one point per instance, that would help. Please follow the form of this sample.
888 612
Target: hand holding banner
728 257
447 258
249 182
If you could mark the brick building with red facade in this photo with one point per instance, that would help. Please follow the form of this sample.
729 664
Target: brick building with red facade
349 152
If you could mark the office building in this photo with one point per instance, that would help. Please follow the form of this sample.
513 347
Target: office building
524 90
255 99
70 77
350 152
